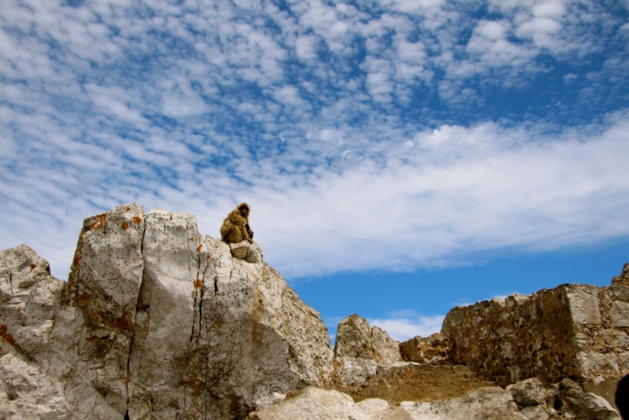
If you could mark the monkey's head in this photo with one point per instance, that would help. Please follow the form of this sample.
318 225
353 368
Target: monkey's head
244 209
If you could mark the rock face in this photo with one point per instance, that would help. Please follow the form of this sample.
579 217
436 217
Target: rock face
572 331
28 299
434 350
155 321
360 349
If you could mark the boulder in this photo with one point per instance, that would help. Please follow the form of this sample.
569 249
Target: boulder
488 403
568 400
312 404
28 297
360 350
527 393
317 404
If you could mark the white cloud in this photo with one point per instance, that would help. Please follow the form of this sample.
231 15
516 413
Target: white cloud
405 325
306 47
414 6
484 192
550 9
489 44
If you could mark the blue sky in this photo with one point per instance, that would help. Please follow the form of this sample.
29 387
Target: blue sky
400 157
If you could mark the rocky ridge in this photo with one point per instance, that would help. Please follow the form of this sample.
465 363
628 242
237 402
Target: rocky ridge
157 321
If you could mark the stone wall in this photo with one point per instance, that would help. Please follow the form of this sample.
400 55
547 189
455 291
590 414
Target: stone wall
571 331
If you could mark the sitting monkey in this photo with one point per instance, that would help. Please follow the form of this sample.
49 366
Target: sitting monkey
236 225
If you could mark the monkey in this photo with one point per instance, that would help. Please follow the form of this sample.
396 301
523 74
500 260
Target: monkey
236 225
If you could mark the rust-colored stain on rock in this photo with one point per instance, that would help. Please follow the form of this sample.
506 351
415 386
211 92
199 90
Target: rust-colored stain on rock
198 283
137 220
83 298
124 322
125 225
6 337
99 223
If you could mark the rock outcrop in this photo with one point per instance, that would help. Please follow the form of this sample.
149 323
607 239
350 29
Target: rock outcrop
571 331
29 296
155 321
360 350
434 350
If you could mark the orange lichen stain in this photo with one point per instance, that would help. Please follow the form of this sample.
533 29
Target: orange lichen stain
209 257
78 254
198 283
6 337
199 248
99 223
83 298
128 208
91 339
33 267
137 220
125 225
124 322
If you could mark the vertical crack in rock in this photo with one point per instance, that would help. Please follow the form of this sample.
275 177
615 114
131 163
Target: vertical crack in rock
11 282
202 291
135 323
199 293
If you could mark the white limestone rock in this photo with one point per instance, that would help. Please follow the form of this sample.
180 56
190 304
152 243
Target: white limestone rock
528 392
246 251
215 333
154 322
489 403
28 295
313 404
583 303
569 401
361 351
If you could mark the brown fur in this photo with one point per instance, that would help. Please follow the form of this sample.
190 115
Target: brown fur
236 225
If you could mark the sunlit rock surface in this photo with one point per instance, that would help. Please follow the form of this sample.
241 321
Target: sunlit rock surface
155 321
